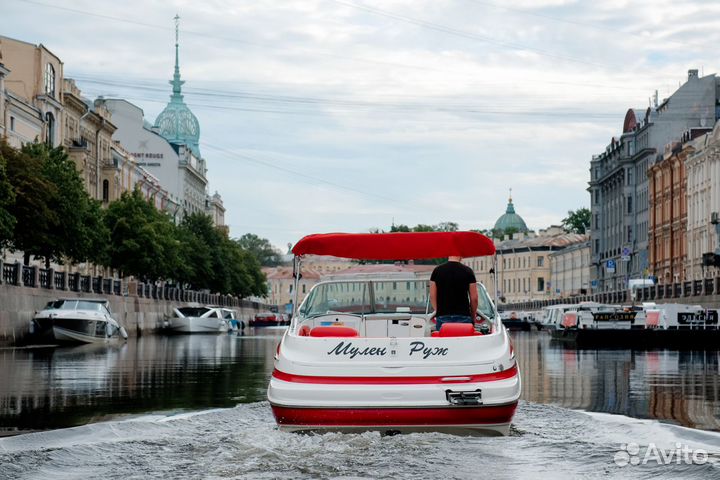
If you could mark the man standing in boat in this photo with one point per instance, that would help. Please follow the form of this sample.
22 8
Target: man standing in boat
453 293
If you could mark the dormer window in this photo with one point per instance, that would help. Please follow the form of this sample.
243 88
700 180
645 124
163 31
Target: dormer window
50 80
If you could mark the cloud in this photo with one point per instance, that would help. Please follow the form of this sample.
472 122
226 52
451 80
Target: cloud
420 111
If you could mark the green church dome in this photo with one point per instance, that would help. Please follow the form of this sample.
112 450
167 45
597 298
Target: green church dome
177 124
511 220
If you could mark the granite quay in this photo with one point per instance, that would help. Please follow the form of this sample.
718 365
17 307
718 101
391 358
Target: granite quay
139 307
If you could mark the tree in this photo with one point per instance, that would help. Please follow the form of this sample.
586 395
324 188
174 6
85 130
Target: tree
7 200
261 249
76 229
399 228
577 221
246 278
446 227
143 241
33 197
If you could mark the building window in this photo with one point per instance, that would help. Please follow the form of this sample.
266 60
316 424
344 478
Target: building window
540 284
106 191
540 261
629 204
12 124
50 80
50 121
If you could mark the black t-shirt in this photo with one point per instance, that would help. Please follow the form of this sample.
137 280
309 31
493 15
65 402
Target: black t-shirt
452 280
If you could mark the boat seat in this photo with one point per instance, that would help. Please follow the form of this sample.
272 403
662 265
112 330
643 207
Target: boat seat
457 330
333 331
304 331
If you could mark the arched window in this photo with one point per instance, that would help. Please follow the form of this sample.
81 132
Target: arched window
106 191
50 80
50 121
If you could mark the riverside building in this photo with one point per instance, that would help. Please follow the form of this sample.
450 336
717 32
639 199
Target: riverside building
619 185
31 83
169 148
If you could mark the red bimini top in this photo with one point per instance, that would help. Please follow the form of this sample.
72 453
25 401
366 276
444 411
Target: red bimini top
396 246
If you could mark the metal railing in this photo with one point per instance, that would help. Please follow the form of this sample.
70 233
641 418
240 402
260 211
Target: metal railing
665 292
17 274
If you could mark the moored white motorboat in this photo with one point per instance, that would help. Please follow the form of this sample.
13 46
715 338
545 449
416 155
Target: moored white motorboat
360 355
77 320
642 326
199 320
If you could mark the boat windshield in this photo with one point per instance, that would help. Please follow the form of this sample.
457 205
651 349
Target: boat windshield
389 296
401 296
193 311
74 305
485 305
346 297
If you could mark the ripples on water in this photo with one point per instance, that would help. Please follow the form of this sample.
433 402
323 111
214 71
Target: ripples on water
242 442
551 437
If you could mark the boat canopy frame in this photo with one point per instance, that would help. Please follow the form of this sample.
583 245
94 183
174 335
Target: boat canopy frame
389 246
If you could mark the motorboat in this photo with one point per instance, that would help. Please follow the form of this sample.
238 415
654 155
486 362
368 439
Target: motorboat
268 319
361 354
516 320
552 316
77 320
207 319
640 326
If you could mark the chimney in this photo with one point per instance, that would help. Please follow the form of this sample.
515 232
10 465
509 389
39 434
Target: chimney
692 73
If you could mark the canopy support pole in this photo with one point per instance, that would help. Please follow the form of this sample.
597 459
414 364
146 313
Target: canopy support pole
297 263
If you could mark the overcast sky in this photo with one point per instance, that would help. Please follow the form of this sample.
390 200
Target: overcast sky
347 115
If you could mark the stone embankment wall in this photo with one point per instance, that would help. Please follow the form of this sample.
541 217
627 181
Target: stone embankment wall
139 315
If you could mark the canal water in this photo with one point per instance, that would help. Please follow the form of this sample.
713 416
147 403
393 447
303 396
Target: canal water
194 407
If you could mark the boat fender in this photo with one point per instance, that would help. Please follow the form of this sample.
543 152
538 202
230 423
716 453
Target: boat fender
32 327
570 320
123 333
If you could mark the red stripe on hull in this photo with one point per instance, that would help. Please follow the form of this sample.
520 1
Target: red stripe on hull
392 417
482 377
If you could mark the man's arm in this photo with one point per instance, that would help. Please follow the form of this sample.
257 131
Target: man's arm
433 295
473 300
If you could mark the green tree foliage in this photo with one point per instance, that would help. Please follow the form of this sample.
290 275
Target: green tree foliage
55 217
440 227
246 278
7 200
76 230
261 249
577 221
33 192
399 228
142 240
446 227
46 212
225 265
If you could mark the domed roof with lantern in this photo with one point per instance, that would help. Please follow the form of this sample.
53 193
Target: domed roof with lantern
511 220
176 123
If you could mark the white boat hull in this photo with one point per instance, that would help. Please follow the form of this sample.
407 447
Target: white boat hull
72 336
198 325
330 384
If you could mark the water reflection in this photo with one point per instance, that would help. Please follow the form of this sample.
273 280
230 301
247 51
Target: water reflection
60 387
43 388
678 386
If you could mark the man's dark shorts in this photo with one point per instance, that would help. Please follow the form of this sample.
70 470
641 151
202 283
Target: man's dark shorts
451 319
